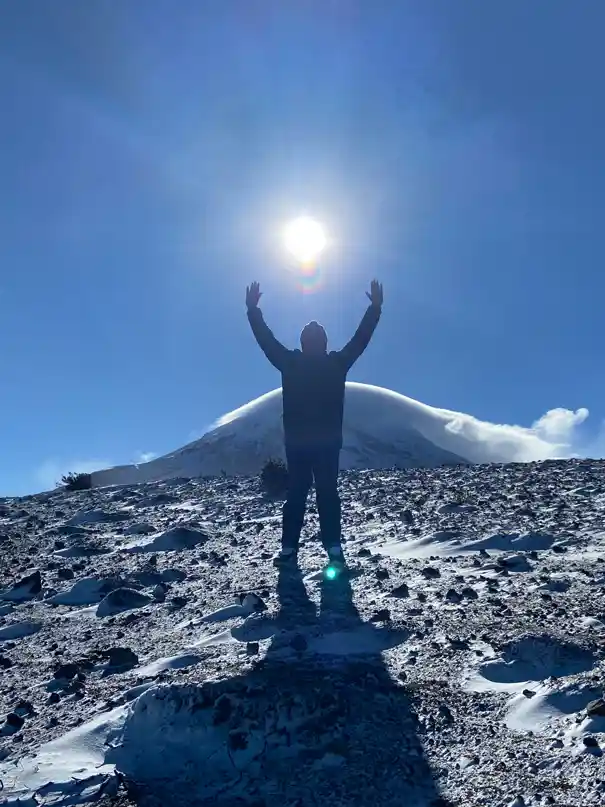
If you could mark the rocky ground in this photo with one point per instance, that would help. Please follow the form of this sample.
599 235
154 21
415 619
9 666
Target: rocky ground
151 653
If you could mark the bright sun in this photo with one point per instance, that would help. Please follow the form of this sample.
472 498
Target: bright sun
305 238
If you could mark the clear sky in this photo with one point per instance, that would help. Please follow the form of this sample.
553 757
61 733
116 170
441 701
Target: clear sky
151 151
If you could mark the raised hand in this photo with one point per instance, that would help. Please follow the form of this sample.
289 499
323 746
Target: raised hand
253 294
375 295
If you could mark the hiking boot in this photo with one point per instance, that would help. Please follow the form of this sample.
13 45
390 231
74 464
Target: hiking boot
336 558
285 557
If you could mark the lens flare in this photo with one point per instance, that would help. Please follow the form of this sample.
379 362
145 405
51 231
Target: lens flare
331 573
305 239
309 278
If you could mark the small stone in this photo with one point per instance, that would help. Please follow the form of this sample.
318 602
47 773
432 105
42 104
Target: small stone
382 574
364 553
469 593
590 742
401 590
5 662
384 615
159 592
595 708
430 573
121 599
24 709
15 721
53 698
252 602
173 576
252 648
408 517
529 693
457 643
121 657
29 585
453 596
66 671
178 602
65 574
446 713
237 741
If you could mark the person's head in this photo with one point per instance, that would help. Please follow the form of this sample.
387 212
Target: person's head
313 339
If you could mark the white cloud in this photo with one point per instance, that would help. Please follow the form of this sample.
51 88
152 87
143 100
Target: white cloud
558 425
145 456
50 472
552 436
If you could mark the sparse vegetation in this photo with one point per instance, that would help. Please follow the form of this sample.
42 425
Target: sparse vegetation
76 481
274 478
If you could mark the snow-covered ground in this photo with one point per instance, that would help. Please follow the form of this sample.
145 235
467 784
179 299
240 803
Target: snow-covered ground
149 645
382 429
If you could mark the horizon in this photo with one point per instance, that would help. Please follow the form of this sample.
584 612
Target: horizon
152 156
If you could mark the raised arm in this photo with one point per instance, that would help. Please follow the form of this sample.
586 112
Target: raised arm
271 347
361 338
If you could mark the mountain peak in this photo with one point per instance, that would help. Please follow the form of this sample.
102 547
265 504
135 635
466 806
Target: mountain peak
382 429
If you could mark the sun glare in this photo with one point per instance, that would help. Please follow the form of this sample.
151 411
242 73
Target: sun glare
305 239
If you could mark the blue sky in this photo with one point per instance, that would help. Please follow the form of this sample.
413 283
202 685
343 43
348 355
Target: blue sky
150 153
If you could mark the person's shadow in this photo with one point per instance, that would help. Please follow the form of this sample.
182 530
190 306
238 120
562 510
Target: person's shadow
357 739
317 720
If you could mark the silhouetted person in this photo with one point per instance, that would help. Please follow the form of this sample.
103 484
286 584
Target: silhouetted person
313 385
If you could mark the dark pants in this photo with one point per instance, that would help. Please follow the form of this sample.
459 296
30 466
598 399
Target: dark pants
305 465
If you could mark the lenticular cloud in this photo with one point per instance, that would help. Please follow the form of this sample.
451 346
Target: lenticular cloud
552 436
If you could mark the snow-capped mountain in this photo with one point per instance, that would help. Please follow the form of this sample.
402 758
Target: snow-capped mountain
382 429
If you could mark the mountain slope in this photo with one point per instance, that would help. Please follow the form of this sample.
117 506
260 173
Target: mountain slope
382 429
146 630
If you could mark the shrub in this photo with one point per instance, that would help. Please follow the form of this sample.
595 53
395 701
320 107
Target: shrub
77 481
274 478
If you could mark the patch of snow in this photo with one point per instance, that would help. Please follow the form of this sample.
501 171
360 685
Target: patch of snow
68 767
85 591
173 540
548 707
170 663
19 630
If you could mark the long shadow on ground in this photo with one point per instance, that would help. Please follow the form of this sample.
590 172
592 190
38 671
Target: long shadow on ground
318 720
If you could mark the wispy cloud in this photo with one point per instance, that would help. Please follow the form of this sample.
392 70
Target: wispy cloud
552 436
144 456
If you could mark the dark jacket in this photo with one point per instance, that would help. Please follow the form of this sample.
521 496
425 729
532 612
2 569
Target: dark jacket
313 385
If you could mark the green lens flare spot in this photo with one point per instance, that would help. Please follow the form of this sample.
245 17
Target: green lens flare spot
331 572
